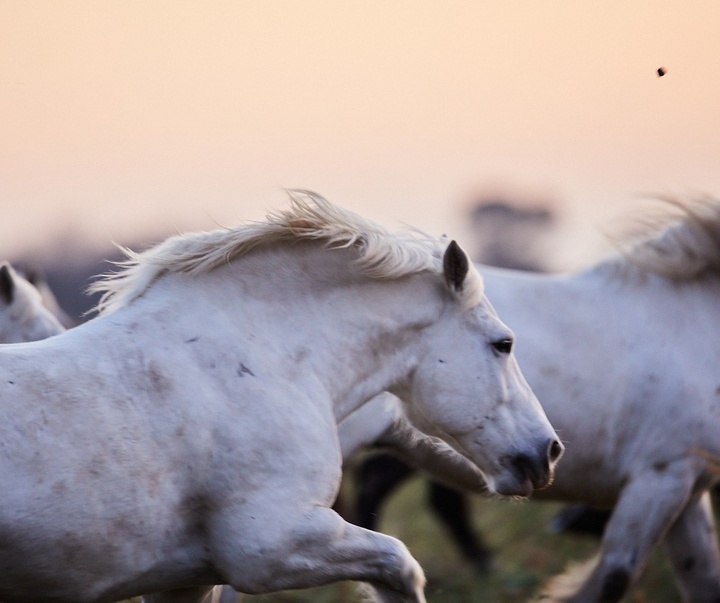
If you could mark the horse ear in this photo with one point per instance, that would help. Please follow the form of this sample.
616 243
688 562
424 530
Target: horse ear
7 284
455 266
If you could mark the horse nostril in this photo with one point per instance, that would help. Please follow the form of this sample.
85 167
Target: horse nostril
555 451
524 466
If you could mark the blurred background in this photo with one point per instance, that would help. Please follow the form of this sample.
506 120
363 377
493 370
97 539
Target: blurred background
128 121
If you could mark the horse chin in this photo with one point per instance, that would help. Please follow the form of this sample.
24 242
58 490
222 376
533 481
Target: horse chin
522 483
512 486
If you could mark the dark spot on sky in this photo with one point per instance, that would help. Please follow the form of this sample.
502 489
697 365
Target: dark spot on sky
192 340
661 71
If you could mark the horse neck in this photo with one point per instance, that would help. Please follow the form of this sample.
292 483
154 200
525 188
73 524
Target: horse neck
308 315
359 336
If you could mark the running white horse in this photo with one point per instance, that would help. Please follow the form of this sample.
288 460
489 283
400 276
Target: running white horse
188 435
23 317
624 358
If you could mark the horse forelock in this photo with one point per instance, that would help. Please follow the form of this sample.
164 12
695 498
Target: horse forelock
381 254
685 248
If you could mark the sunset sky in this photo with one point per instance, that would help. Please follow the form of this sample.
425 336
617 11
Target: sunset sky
123 120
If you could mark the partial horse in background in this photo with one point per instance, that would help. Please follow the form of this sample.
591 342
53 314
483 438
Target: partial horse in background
36 278
624 358
215 378
23 317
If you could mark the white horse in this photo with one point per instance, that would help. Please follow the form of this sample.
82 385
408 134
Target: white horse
624 358
23 317
188 435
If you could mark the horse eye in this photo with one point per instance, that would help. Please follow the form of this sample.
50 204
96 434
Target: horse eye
503 346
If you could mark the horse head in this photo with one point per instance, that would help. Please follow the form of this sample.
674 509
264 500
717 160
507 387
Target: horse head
469 391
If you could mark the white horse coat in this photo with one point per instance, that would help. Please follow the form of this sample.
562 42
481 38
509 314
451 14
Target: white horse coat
188 435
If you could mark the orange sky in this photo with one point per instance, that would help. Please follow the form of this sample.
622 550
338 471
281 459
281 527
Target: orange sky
124 118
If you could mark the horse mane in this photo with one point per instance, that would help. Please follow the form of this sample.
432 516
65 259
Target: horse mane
381 254
685 248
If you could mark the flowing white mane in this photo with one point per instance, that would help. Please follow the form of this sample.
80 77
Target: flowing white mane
686 248
381 254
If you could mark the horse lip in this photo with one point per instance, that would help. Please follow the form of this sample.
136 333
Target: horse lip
547 480
529 474
538 479
523 488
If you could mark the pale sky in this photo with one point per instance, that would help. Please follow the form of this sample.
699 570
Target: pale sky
121 119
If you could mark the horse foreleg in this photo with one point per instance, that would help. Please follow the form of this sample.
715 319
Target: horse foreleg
648 506
692 547
453 510
433 456
313 548
377 477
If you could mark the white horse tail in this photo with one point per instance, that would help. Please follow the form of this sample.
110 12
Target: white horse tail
562 587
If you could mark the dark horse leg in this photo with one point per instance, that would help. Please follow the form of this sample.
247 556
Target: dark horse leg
580 519
378 476
452 508
382 473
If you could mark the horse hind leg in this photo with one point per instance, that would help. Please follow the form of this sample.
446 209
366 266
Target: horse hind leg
691 545
314 548
648 506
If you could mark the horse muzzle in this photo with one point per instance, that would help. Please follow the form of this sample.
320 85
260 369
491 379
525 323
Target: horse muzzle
526 472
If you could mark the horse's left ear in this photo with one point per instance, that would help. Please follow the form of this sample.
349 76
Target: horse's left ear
455 266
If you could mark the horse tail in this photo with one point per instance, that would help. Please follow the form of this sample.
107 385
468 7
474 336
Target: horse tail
564 586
